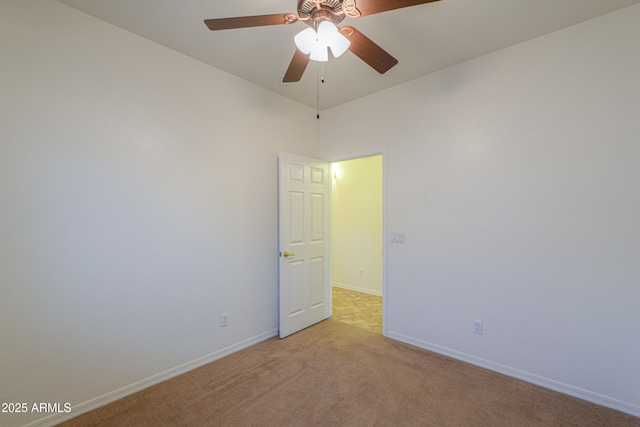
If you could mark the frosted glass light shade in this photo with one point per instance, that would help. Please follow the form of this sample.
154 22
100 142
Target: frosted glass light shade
319 53
339 45
316 44
305 40
329 35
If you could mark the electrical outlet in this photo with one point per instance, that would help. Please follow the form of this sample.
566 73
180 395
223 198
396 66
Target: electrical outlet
361 272
477 327
224 320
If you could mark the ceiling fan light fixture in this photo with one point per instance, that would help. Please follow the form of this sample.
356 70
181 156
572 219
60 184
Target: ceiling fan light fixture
315 44
322 16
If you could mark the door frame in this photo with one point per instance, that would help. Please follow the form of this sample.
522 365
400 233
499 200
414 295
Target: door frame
353 156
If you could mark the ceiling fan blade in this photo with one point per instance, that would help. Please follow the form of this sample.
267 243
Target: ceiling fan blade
368 51
296 67
356 8
250 21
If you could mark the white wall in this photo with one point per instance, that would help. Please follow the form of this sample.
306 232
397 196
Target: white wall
515 178
356 215
138 196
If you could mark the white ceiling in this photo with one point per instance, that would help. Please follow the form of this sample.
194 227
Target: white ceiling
423 38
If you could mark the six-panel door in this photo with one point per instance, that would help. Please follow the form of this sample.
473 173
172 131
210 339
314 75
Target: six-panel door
305 291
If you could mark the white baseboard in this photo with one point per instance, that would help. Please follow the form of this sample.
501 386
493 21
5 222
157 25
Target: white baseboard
570 390
357 289
110 397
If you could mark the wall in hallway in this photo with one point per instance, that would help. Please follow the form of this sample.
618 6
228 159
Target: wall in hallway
357 224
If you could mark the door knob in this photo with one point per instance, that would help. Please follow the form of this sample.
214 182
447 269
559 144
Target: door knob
287 254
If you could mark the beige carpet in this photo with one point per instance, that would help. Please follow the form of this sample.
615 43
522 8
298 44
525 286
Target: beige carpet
335 374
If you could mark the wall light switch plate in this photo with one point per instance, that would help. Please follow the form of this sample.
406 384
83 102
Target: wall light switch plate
397 237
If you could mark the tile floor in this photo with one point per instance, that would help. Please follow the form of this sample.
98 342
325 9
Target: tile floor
358 309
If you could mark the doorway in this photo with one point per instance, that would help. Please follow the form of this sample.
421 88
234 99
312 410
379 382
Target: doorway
357 223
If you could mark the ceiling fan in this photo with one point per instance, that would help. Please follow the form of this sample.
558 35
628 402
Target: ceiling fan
315 42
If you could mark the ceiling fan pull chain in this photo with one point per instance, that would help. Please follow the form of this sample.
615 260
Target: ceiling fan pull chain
318 91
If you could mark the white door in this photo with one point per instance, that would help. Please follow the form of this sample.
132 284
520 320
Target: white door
305 291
